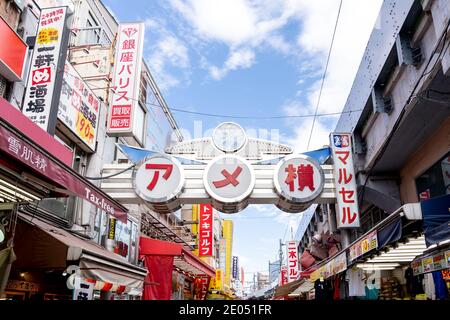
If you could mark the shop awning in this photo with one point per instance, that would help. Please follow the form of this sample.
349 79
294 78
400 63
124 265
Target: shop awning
39 245
305 287
183 258
285 290
46 162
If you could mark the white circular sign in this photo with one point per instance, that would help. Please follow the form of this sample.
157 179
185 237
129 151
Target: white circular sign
298 179
229 137
158 179
229 179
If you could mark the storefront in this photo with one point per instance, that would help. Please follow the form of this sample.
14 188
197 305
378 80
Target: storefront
173 271
36 247
53 263
377 265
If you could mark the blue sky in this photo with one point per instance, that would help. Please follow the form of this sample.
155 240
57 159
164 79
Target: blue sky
254 58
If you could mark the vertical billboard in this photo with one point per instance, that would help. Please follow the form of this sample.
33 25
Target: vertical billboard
235 269
292 261
79 109
126 79
283 275
46 71
227 231
345 181
205 232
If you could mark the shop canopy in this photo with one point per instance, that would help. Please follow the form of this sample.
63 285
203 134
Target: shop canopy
183 258
286 289
39 245
41 162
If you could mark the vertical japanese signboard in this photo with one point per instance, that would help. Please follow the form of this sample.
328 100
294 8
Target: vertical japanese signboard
235 269
126 79
79 108
47 65
283 275
292 261
205 234
345 181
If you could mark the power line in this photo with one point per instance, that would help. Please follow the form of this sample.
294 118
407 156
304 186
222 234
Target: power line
223 116
324 75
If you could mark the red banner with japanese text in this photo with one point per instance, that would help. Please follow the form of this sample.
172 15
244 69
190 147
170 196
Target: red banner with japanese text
205 231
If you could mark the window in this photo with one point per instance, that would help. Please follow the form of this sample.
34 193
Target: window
435 181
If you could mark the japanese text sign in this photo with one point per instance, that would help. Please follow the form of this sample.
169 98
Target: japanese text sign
83 289
42 164
79 108
45 76
292 261
345 181
368 243
205 231
126 78
158 179
283 275
229 179
235 269
298 179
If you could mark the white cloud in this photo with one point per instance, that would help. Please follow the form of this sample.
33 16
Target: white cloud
240 59
356 22
168 52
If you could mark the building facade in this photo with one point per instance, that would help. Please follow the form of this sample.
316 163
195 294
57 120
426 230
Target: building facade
398 114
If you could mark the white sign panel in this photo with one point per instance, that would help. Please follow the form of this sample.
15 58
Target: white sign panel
298 179
292 261
83 289
40 92
345 181
158 179
79 108
229 179
126 79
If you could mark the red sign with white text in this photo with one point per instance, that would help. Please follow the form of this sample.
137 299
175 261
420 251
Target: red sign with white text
205 231
345 181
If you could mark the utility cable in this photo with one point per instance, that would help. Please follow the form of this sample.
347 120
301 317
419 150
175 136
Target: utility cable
324 74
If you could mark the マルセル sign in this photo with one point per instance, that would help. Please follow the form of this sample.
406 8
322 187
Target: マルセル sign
345 181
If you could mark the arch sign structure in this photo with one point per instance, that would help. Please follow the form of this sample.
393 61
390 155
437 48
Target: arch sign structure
230 171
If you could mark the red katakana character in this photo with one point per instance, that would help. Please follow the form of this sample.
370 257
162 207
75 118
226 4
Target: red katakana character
153 166
121 83
345 157
292 254
348 198
128 66
229 178
122 95
346 215
343 176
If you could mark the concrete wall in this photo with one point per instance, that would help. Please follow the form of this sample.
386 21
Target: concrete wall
427 155
10 13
